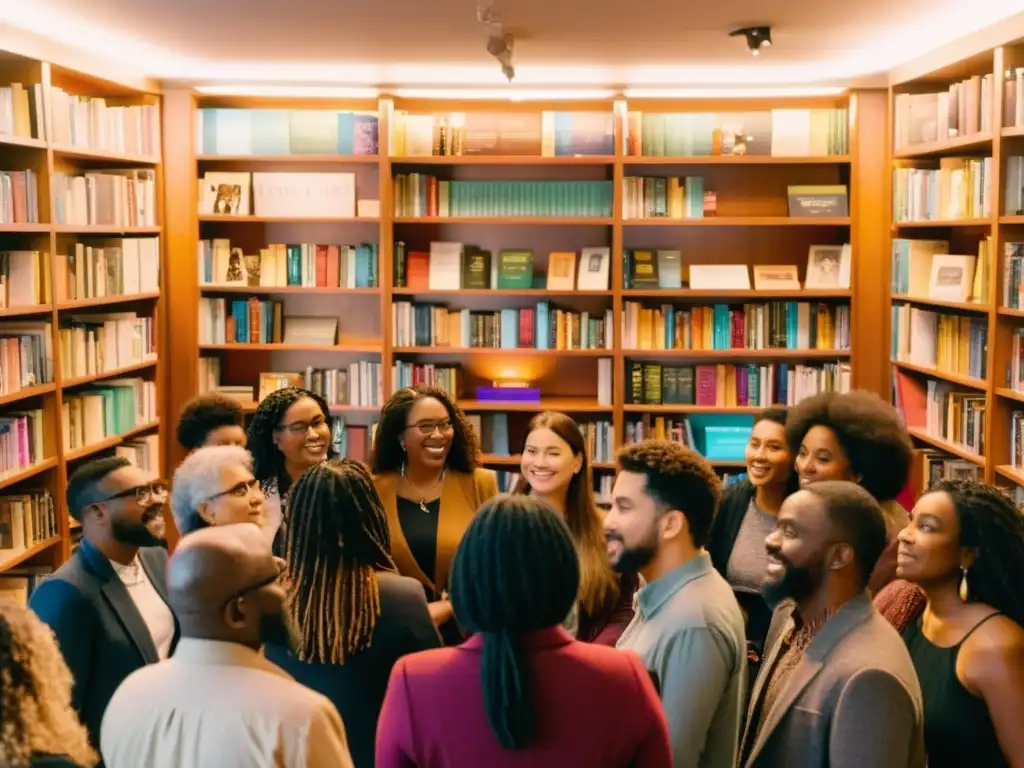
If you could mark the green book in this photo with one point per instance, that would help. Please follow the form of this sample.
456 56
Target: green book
515 270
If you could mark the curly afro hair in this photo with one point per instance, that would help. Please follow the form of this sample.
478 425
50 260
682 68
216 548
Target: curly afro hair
387 456
203 414
869 431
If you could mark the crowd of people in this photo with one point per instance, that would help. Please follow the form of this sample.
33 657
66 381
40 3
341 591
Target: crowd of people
319 612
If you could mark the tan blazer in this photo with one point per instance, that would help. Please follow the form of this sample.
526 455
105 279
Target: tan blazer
461 496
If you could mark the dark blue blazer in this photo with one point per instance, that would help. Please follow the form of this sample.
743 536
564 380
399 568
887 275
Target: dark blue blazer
100 631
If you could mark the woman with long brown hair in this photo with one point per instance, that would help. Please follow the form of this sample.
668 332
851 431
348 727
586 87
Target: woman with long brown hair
556 468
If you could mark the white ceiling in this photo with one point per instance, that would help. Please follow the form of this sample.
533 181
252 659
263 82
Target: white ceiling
559 42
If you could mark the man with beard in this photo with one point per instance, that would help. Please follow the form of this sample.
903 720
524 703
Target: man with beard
218 701
837 687
687 628
107 604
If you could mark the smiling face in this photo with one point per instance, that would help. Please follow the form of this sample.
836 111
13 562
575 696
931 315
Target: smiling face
929 549
132 523
428 434
798 549
239 499
769 461
548 463
822 458
303 435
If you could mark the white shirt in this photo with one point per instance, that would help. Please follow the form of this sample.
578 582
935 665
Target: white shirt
154 611
221 705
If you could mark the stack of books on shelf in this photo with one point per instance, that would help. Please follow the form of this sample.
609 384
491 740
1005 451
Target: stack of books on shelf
19 197
24 279
90 123
102 411
420 195
964 109
95 344
283 132
26 356
21 440
21 111
279 265
117 267
26 519
959 189
107 198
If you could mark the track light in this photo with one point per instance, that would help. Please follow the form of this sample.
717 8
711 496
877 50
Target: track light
757 37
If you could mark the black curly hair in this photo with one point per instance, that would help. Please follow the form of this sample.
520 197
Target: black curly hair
387 455
869 431
267 460
205 413
993 526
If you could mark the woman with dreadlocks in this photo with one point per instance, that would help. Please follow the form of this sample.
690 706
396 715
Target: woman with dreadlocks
355 615
964 547
290 432
425 462
521 691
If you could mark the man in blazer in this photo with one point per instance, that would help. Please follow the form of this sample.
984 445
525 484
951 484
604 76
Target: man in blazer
837 687
107 604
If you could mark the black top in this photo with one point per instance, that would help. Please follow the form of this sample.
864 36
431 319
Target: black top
357 687
52 761
958 730
420 530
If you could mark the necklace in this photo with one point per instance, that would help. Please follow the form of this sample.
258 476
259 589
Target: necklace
423 498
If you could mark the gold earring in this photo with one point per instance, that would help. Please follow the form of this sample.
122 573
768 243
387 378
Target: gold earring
964 591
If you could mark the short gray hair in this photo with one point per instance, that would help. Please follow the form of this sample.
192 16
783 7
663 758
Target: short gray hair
198 478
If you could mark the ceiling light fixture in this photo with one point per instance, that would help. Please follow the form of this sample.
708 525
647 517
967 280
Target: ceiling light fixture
289 91
732 93
757 37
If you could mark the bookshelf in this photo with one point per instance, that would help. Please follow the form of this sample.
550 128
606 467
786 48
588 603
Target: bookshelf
993 131
751 219
92 274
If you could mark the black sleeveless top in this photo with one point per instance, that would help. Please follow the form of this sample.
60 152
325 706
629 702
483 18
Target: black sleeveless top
958 730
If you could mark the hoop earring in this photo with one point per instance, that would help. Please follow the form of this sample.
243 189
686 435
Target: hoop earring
965 592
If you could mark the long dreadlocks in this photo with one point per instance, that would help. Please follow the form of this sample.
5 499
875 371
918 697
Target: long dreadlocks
338 539
515 571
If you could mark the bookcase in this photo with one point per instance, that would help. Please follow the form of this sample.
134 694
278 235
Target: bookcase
956 358
80 234
502 179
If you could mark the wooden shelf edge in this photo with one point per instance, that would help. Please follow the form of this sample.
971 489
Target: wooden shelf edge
26 142
954 378
26 473
948 447
338 159
22 227
16 560
501 351
36 309
1012 131
743 221
966 306
1010 394
730 354
362 349
974 141
105 301
106 443
735 160
1008 312
499 292
103 229
1011 473
112 374
67 150
739 295
271 290
27 392
208 217
581 221
503 160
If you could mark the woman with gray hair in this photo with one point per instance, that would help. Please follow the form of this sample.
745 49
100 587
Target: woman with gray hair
216 486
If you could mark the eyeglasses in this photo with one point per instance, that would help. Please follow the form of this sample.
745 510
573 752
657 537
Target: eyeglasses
429 427
277 577
143 493
302 427
238 490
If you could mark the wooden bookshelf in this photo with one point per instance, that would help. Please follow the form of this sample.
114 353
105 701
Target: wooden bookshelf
752 220
46 158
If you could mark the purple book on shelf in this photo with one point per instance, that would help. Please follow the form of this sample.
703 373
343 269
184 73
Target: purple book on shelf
508 394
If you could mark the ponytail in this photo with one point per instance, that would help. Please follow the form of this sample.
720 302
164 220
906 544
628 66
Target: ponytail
506 690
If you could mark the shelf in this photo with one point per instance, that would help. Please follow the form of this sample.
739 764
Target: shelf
565 221
26 473
249 406
563 404
965 306
39 309
112 374
1011 473
284 289
26 392
60 150
109 442
935 373
502 160
735 160
945 445
974 141
498 351
106 301
495 292
494 460
349 348
943 223
1011 219
103 229
19 558
740 354
1012 131
21 227
10 140
673 408
1007 312
1010 394
312 159
222 218
743 221
738 295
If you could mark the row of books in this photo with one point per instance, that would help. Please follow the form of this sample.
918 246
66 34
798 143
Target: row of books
113 408
1015 366
19 197
1013 185
112 197
279 265
143 452
648 197
952 343
21 440
540 327
453 266
273 132
26 519
1013 275
779 132
115 267
21 111
1013 95
26 355
771 325
95 344
24 279
90 123
926 269
256 321
725 386
420 195
937 409
964 109
281 195
959 189
1017 439
359 383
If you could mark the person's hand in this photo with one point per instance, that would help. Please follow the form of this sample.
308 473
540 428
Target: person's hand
440 610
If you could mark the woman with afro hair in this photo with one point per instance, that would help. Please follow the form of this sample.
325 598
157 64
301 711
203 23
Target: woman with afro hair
855 436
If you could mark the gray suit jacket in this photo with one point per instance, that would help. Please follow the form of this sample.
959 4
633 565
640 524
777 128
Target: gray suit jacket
853 700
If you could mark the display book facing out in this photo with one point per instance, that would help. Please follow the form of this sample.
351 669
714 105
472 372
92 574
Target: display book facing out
80 257
650 268
957 247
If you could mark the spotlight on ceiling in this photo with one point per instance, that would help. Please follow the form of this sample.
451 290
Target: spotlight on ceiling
756 37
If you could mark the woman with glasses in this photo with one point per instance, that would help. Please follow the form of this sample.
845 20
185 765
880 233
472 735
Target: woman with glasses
425 464
356 616
289 433
216 486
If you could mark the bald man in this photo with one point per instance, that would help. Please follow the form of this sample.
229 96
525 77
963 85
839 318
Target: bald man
217 701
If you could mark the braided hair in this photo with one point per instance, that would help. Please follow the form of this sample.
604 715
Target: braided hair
994 527
337 541
388 456
267 459
515 571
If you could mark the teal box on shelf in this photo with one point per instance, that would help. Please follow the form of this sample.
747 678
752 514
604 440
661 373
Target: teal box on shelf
721 436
